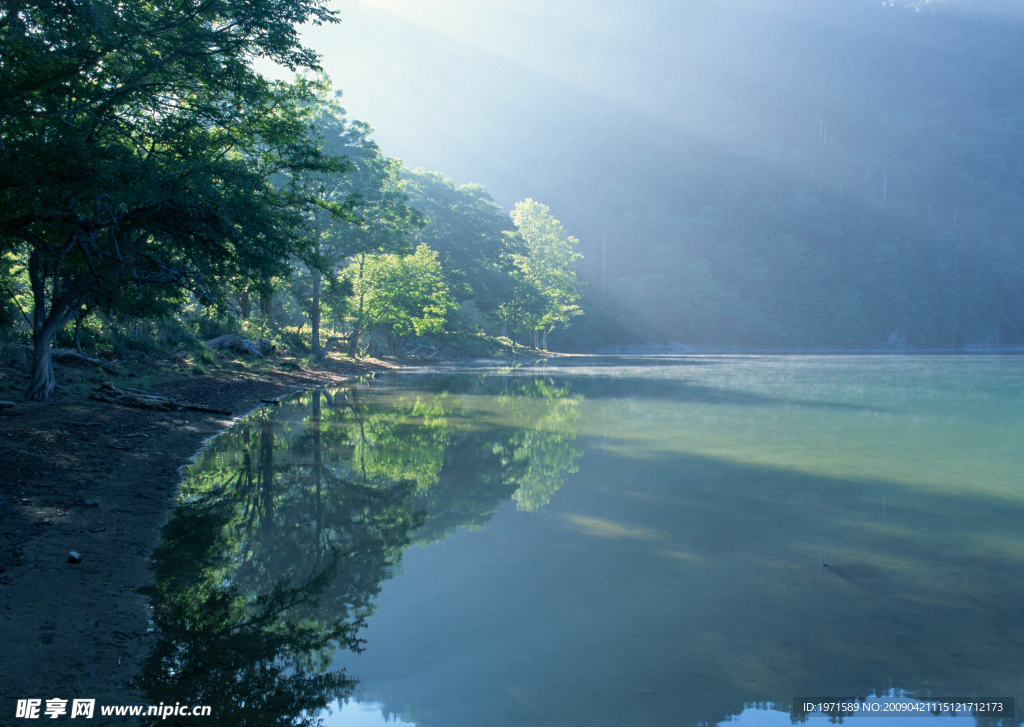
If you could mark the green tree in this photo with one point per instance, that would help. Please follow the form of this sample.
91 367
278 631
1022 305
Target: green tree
516 303
139 145
382 221
402 295
549 264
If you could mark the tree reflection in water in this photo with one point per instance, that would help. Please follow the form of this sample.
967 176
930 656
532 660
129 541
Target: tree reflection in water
290 522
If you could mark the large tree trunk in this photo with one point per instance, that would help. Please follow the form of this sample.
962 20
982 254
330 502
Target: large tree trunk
266 300
45 325
395 343
267 307
43 382
314 314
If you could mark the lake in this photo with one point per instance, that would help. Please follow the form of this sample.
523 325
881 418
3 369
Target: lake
604 541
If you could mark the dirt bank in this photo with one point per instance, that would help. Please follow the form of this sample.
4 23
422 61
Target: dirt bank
97 478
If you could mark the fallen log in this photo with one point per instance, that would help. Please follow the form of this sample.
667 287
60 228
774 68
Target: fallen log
109 393
6 404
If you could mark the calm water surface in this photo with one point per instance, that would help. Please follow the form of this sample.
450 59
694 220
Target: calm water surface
608 541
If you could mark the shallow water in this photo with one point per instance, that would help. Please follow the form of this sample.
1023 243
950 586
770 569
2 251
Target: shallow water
615 541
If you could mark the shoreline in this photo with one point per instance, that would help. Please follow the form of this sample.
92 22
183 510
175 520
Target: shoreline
100 479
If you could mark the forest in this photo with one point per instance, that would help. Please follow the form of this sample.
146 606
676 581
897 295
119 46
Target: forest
750 175
157 191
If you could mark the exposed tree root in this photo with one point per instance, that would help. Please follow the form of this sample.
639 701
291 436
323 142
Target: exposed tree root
144 400
61 353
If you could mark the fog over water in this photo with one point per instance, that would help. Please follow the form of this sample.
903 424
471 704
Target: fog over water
782 174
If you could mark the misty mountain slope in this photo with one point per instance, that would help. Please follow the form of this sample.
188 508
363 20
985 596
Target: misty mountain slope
771 174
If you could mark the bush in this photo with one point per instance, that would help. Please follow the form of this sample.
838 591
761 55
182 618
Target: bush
295 338
210 327
13 356
148 336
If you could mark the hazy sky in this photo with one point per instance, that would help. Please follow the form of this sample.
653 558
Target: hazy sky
443 81
470 87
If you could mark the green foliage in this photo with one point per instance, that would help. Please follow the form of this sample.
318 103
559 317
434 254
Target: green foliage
137 162
376 219
517 304
466 228
153 186
402 295
549 265
293 338
11 282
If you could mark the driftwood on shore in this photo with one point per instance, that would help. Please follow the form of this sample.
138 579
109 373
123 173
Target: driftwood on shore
241 345
144 400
